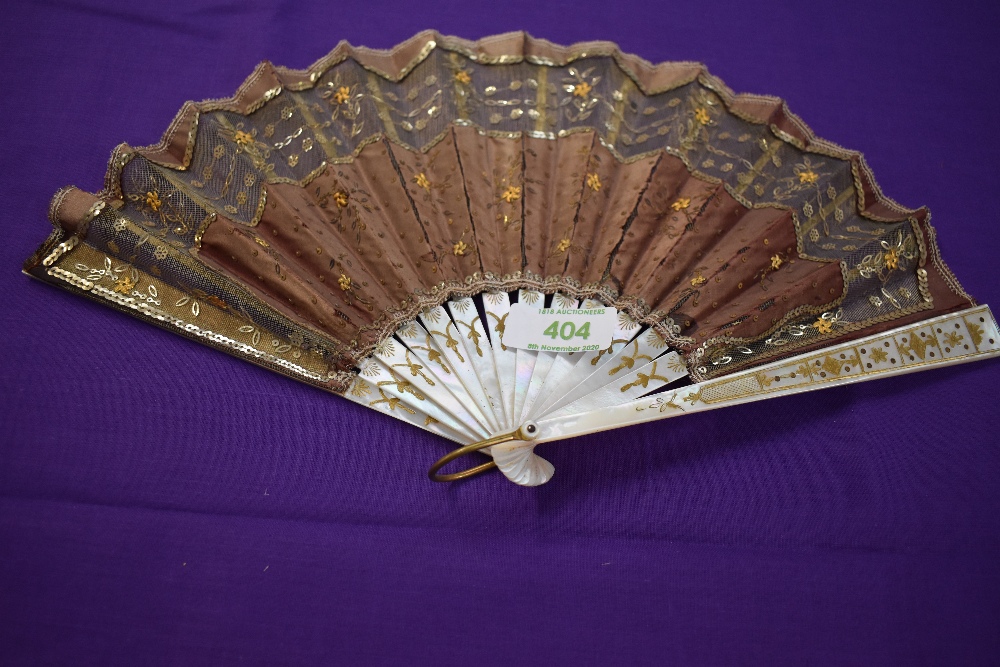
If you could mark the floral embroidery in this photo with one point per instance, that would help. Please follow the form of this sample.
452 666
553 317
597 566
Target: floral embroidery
593 182
344 282
153 200
340 198
808 176
701 115
878 355
953 338
563 245
776 261
582 89
342 95
511 194
698 280
463 77
681 204
824 326
460 248
125 283
422 182
892 258
242 138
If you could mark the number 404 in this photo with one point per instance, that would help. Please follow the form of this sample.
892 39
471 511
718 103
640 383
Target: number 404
567 331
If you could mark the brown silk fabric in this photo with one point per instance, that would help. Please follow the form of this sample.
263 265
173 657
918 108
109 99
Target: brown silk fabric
394 218
315 212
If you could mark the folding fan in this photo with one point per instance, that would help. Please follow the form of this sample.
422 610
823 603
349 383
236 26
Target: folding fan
380 224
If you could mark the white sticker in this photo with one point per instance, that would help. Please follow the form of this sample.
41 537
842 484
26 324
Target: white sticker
559 329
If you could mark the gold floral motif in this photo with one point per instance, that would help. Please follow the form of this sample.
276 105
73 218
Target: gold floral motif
391 401
698 280
824 326
242 138
459 248
340 198
344 282
293 160
808 176
450 341
153 200
681 204
776 262
976 332
360 388
892 258
878 355
563 245
421 181
643 379
953 338
593 182
463 77
416 370
125 283
342 95
701 115
582 89
511 194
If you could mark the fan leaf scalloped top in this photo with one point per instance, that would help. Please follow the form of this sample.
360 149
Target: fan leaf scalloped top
316 212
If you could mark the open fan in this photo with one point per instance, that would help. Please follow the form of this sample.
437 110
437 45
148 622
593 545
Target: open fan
378 224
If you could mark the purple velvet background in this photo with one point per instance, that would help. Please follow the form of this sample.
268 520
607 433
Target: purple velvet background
163 503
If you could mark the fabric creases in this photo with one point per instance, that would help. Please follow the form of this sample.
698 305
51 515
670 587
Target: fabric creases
321 210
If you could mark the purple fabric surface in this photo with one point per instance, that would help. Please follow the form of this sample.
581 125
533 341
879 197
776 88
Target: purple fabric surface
163 503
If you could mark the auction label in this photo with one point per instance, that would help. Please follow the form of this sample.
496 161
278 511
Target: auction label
559 329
